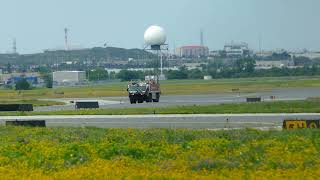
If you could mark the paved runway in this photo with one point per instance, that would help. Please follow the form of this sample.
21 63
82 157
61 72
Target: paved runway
199 121
174 100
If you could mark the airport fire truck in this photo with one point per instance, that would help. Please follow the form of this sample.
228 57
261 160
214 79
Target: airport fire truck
144 91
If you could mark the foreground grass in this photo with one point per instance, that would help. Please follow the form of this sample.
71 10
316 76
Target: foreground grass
31 101
63 153
307 106
170 87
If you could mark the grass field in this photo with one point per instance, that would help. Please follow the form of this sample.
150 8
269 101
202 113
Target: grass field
60 153
307 106
169 87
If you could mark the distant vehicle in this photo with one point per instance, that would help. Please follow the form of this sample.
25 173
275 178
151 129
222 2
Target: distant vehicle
146 91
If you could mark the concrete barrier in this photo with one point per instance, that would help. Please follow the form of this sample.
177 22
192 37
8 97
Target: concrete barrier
87 105
30 123
16 107
254 99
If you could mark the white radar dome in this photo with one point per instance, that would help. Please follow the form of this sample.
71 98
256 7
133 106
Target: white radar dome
155 35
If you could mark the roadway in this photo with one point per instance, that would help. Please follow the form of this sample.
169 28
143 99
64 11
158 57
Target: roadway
174 100
193 121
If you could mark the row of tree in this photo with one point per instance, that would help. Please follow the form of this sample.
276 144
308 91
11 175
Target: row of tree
240 68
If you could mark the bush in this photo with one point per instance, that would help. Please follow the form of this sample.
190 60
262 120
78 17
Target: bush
126 75
48 80
23 84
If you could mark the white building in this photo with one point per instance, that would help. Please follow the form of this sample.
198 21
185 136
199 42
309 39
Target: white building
264 53
207 77
214 53
192 51
273 64
308 54
191 66
69 77
236 49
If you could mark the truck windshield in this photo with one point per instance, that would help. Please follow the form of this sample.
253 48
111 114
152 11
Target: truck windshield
137 88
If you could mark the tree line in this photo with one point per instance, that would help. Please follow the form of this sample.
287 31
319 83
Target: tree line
241 68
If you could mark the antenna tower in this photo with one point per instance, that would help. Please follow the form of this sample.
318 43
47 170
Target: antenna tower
201 38
66 30
14 46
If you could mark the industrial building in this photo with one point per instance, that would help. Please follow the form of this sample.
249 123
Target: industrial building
33 78
305 53
273 64
69 77
192 51
236 49
191 66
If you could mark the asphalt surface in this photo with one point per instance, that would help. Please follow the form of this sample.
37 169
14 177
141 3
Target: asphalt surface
175 100
200 121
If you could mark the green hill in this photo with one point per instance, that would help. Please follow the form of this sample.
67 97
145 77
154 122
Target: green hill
94 54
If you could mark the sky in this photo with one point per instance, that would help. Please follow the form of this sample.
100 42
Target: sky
39 24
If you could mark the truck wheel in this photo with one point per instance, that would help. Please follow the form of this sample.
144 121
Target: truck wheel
149 98
158 97
132 101
140 100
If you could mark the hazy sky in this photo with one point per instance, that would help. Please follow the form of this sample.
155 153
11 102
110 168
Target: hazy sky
39 24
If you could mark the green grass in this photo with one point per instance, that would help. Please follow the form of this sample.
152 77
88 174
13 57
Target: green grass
90 153
170 87
307 106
